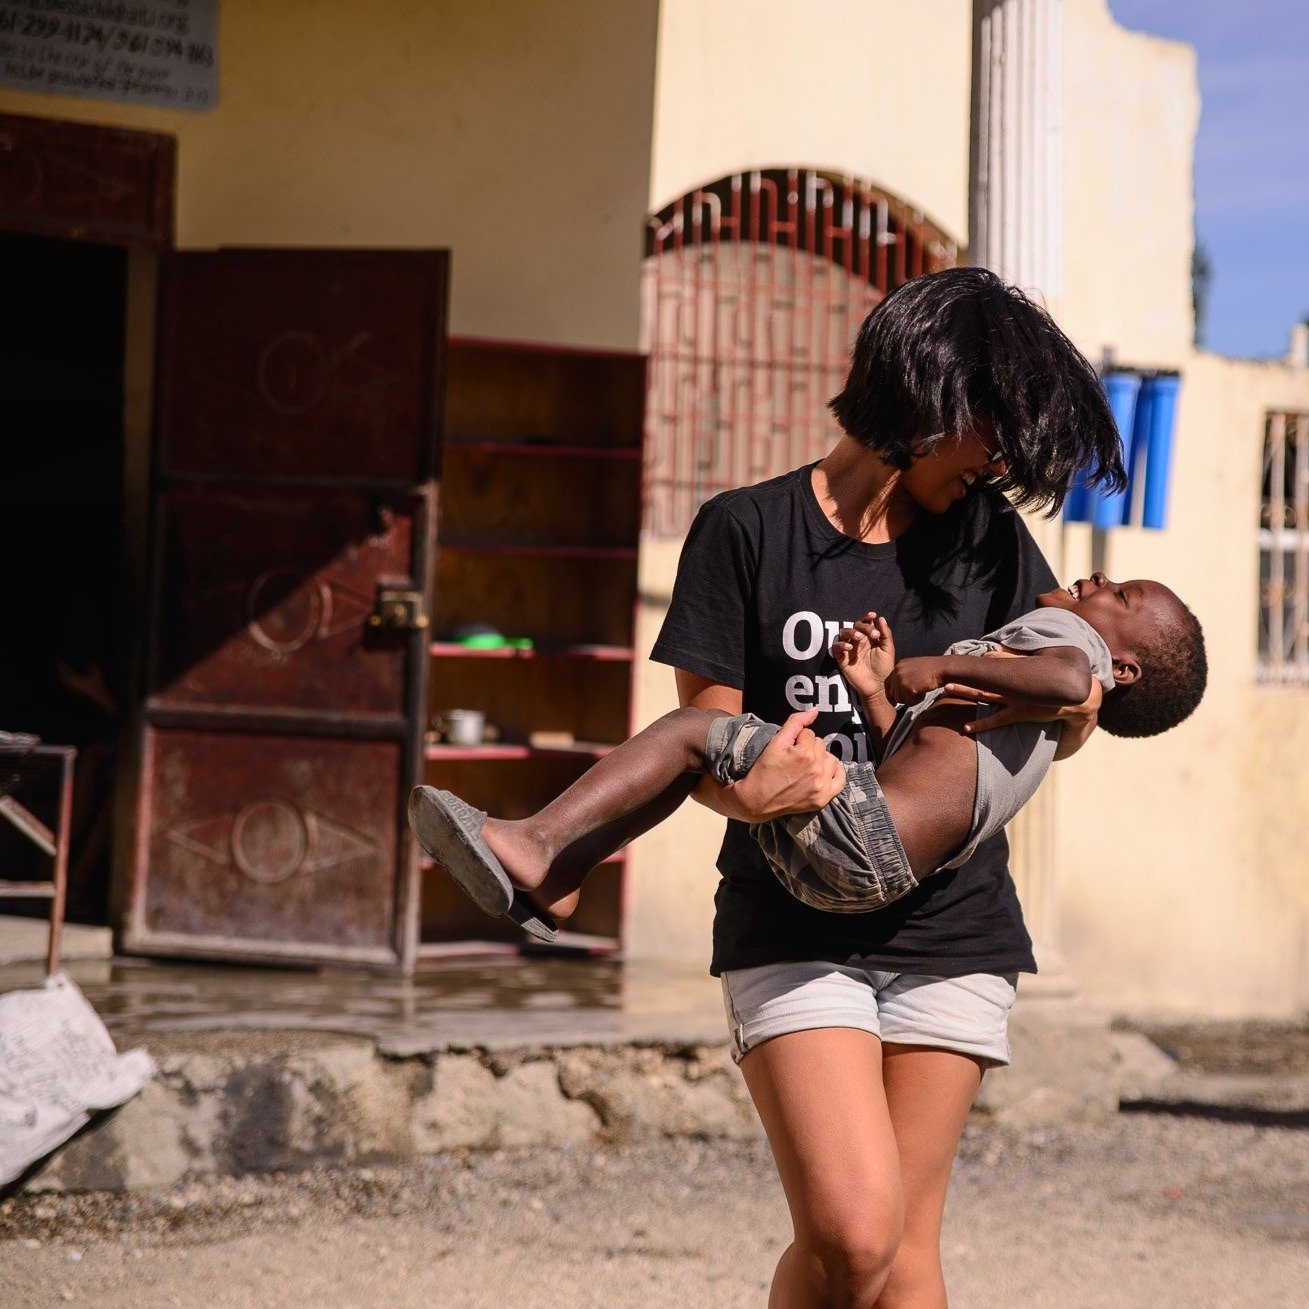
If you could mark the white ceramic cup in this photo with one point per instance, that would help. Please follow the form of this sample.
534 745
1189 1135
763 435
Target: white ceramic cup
463 726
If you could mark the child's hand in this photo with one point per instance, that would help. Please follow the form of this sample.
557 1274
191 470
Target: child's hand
865 653
911 679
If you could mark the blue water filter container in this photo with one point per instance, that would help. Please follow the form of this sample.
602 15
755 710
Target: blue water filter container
1110 509
1159 449
1077 503
1137 446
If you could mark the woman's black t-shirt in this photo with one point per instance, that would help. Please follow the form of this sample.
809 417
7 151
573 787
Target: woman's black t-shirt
763 585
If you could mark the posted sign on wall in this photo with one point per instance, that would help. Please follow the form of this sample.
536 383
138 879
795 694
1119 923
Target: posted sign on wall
155 52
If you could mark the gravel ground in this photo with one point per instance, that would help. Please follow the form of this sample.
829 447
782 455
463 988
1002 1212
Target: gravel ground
1145 1211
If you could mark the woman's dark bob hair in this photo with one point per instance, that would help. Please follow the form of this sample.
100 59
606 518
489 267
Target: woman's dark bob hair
959 350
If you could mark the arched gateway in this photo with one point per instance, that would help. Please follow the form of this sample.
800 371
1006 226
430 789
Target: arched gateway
754 287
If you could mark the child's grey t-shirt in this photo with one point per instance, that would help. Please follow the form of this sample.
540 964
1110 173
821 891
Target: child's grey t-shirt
1011 761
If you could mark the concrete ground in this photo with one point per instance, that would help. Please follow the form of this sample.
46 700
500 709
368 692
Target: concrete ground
1146 1210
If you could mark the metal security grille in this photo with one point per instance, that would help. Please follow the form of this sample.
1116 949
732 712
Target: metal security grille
754 288
1284 550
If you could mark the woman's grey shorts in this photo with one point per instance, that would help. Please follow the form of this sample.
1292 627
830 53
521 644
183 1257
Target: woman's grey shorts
847 857
968 1014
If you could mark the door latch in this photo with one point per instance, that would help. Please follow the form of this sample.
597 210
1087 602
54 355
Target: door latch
398 610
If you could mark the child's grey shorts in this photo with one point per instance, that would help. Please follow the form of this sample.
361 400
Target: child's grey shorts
969 1015
846 858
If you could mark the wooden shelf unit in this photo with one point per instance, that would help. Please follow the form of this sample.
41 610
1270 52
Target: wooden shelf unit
595 653
540 519
589 750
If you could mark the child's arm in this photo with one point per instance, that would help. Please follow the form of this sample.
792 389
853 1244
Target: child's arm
865 653
1057 675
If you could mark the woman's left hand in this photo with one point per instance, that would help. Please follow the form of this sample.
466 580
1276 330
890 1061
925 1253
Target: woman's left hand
1078 720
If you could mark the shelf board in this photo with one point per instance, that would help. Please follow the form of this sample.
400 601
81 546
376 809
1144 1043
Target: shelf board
514 750
542 448
542 551
590 653
28 891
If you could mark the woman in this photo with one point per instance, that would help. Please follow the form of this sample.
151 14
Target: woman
863 1038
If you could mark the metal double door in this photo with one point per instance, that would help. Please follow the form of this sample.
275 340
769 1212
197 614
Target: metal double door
298 401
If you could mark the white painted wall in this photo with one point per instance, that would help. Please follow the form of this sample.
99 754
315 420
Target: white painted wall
1183 869
874 88
520 136
1183 861
1203 905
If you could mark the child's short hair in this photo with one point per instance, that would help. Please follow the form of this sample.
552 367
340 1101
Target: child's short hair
1174 670
959 349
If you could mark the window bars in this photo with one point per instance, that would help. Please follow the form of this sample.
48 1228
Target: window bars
754 288
1284 551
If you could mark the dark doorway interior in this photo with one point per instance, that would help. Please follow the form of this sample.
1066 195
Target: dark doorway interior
62 658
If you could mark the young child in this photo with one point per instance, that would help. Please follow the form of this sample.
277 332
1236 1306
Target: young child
939 787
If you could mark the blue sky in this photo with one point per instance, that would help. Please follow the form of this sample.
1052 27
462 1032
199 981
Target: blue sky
1251 159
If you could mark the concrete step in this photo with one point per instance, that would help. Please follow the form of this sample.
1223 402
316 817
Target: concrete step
263 1070
245 1102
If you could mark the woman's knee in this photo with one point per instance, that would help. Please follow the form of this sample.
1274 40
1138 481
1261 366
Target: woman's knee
915 1276
855 1253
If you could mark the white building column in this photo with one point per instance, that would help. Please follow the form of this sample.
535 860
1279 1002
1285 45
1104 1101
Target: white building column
1015 228
1015 214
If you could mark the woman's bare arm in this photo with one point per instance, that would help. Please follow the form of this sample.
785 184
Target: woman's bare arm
1079 724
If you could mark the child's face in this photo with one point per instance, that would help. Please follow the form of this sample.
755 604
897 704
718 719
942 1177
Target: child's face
1124 613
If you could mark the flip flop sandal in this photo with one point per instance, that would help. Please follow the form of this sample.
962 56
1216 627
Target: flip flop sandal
450 830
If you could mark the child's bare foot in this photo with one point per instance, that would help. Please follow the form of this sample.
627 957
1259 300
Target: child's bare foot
527 861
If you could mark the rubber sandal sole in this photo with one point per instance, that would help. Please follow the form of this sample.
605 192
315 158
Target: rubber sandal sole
449 829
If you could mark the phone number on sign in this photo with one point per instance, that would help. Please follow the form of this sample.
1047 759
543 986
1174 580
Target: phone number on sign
105 37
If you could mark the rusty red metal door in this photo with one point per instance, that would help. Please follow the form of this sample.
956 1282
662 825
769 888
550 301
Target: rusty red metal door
297 439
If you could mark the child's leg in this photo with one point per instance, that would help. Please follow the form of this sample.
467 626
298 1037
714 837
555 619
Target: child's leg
630 790
845 858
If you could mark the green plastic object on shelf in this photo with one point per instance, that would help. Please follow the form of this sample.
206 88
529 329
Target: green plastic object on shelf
494 641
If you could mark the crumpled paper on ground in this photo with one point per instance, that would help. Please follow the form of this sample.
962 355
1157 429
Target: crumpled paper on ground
58 1066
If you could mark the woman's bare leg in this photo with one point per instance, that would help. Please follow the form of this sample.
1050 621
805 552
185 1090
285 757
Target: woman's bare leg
819 1094
630 790
928 1094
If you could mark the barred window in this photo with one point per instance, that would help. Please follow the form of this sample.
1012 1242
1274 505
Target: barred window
754 288
1284 551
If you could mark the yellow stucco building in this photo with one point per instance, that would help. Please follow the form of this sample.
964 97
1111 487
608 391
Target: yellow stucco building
535 141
